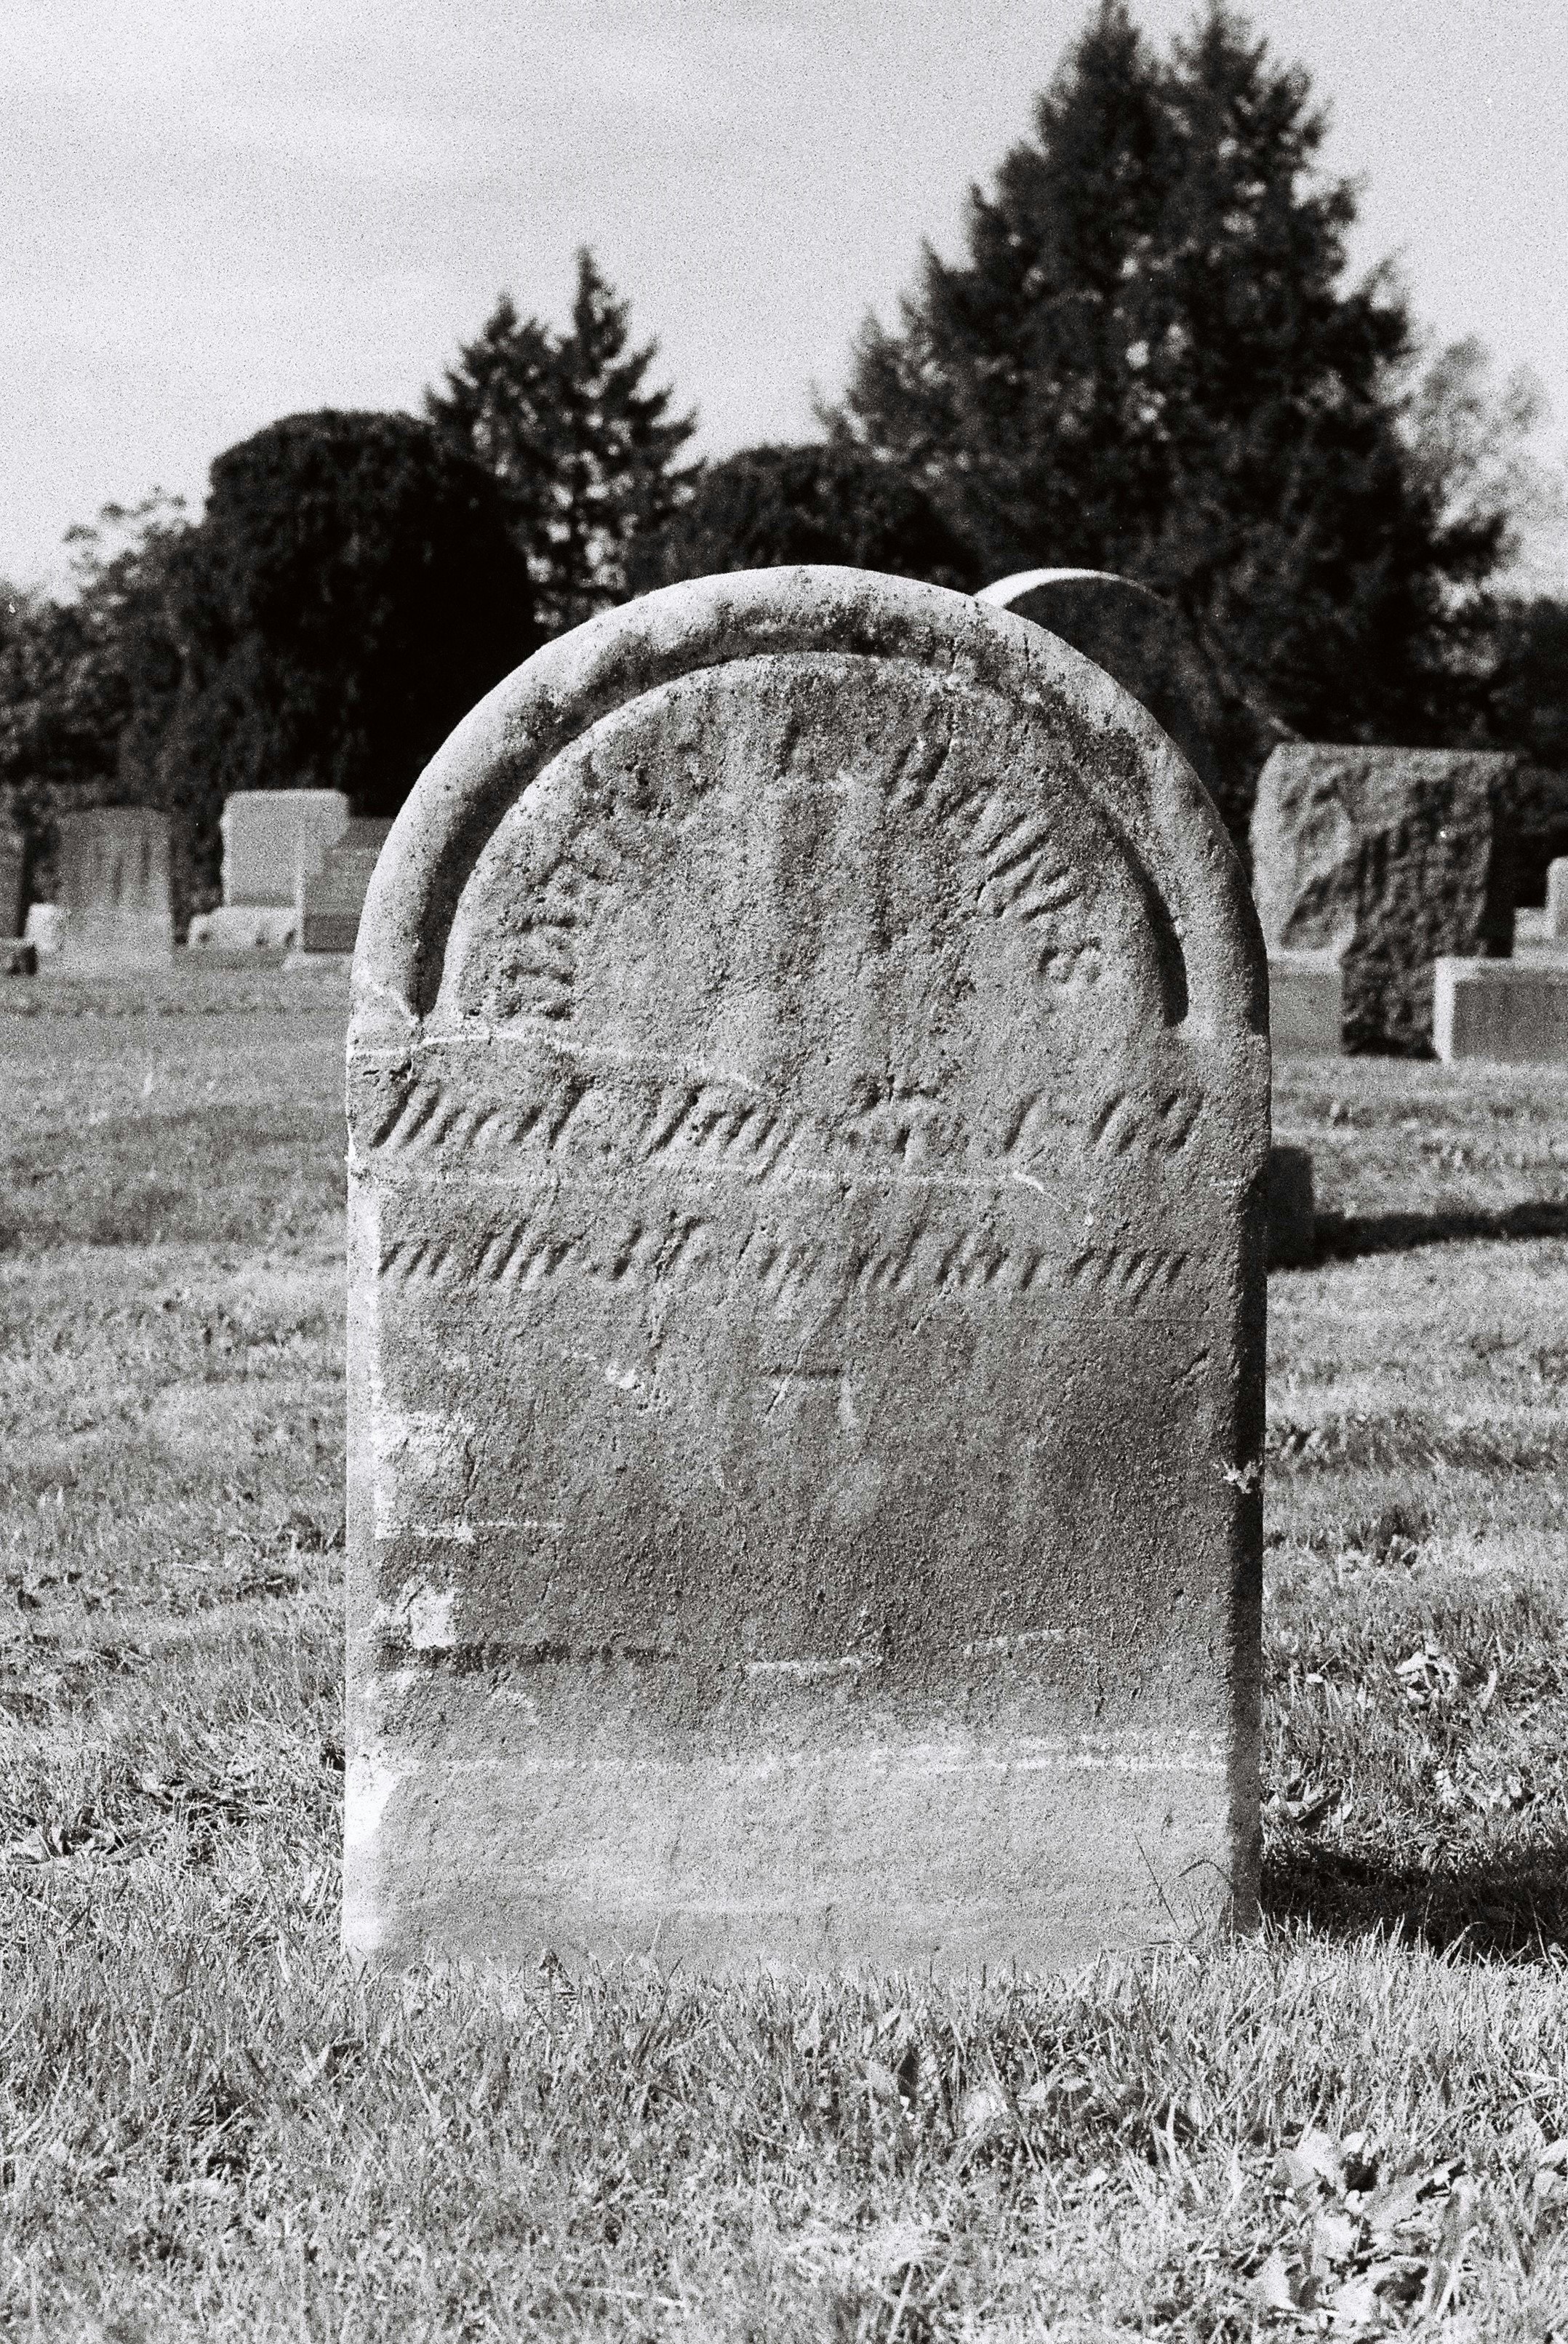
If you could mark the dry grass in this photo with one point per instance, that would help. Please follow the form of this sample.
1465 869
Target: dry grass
1356 2124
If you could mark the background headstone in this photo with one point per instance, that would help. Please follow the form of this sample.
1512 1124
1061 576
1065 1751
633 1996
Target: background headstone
1159 656
112 883
13 881
1557 900
331 900
274 839
808 1106
1386 859
1510 1012
1306 1002
46 929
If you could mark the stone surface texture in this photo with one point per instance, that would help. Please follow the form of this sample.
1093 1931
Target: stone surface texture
112 883
331 901
274 839
1159 656
1515 1013
1306 1002
13 881
808 1117
1385 858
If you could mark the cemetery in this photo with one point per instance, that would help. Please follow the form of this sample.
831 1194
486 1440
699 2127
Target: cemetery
783 1248
777 1882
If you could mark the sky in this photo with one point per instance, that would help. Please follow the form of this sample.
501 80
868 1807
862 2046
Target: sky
216 212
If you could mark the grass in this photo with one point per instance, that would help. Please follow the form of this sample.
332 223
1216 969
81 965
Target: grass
1354 2124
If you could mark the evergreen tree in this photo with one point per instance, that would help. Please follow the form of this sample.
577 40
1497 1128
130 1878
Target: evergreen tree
585 453
765 507
1150 361
351 591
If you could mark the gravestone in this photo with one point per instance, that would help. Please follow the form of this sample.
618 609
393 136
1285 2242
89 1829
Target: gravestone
809 1112
1384 859
1509 1011
1306 1003
332 899
1557 900
13 881
274 839
112 885
1159 656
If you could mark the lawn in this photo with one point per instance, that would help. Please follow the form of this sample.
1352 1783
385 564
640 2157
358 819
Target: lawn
1355 2123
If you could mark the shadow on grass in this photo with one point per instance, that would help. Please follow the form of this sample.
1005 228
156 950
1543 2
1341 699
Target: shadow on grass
1513 1909
1344 1237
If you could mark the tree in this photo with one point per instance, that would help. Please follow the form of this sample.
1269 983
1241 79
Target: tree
79 678
1149 362
352 590
584 451
768 506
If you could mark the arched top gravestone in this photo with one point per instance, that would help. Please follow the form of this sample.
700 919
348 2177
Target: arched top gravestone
807 1101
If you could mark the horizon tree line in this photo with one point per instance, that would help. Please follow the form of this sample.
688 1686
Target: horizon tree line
1147 358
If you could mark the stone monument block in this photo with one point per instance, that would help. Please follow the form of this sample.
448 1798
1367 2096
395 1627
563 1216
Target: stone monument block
1306 1002
1159 656
1557 900
808 1098
332 902
274 839
13 881
112 883
1512 1012
1384 859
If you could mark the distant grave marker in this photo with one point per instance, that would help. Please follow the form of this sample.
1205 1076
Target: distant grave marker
1383 860
274 839
332 899
112 885
808 1108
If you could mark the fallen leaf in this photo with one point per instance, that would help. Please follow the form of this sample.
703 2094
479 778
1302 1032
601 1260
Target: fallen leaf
1274 2286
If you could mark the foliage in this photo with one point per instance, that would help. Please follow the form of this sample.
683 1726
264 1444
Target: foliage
585 453
765 507
350 594
1149 362
80 679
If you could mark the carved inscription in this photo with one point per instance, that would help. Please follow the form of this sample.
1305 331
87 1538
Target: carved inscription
787 1266
575 1109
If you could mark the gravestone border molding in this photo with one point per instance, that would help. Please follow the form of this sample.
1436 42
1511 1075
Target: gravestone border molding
559 694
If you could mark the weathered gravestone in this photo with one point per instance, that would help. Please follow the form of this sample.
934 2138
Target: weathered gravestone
112 883
274 841
1155 652
1385 859
808 1107
331 899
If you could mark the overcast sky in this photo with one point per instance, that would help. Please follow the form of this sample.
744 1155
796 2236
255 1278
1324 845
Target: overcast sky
220 211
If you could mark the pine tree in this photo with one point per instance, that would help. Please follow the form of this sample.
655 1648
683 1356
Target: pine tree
586 453
1149 360
763 507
